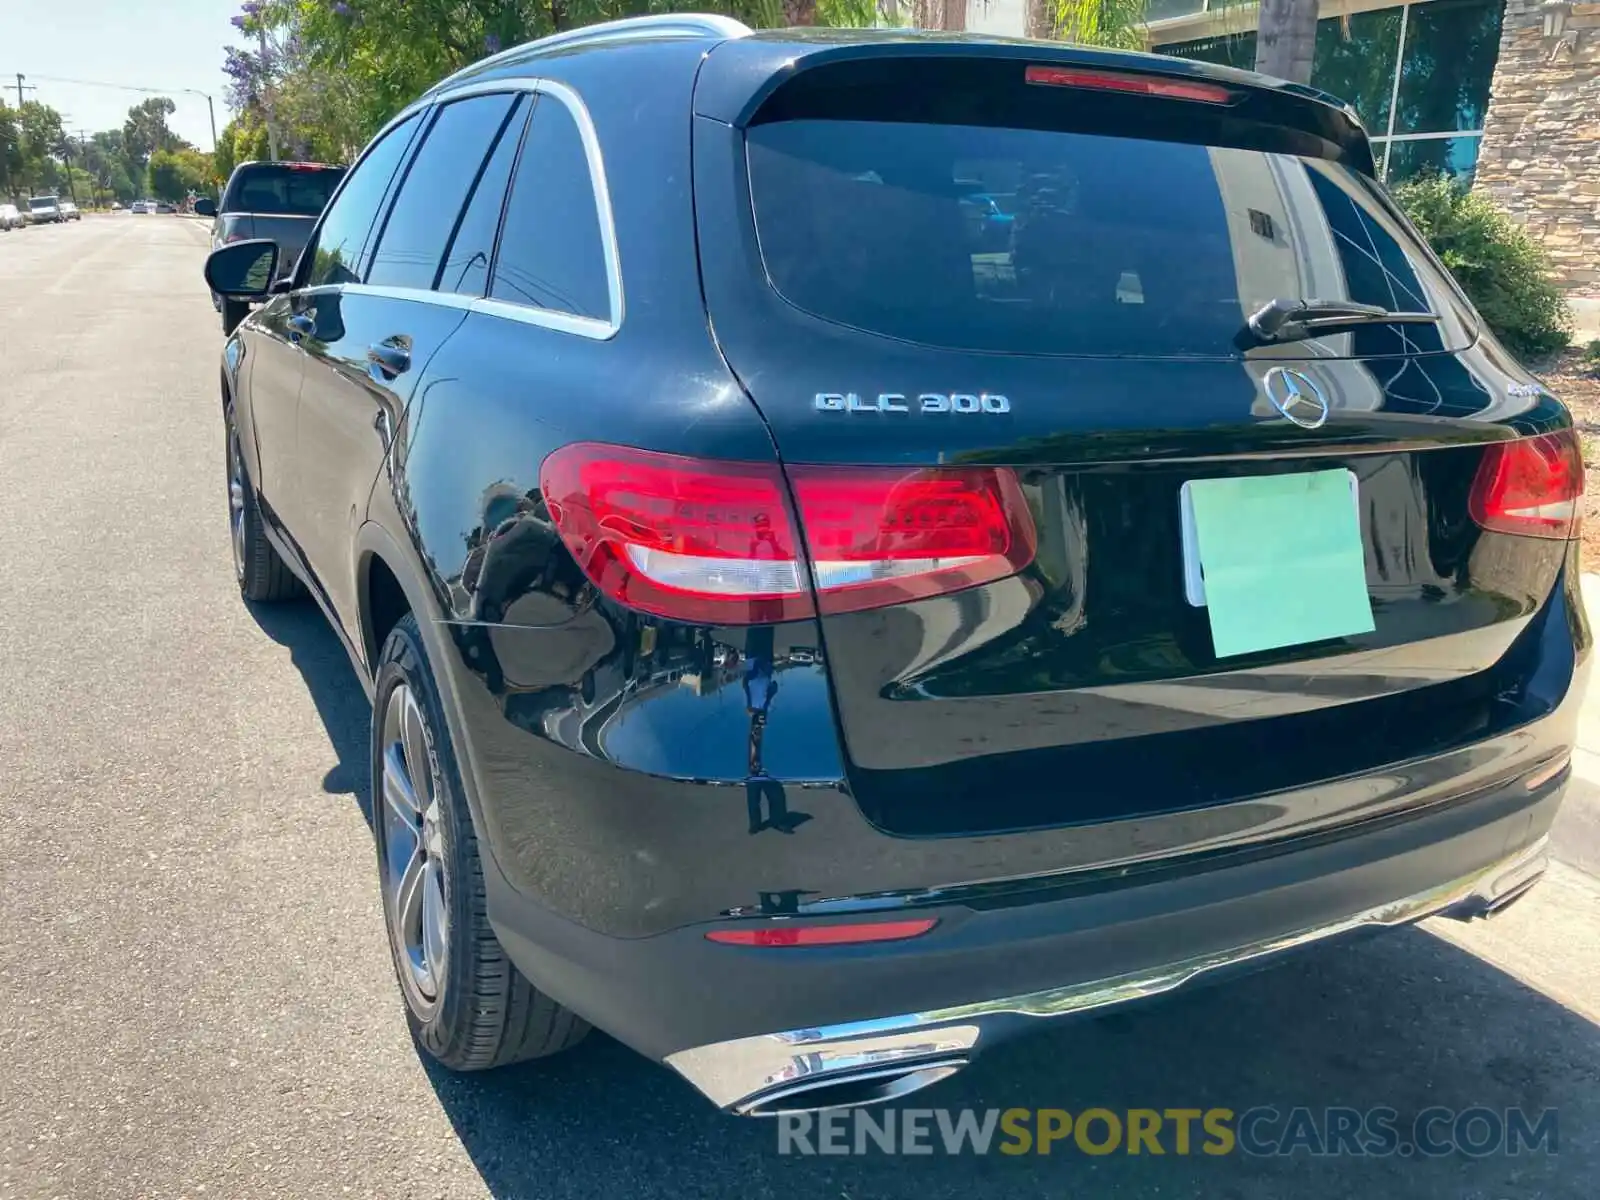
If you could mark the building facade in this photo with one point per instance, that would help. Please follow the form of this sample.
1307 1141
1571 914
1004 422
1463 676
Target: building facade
1541 145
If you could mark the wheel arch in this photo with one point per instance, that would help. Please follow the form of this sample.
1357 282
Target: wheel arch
381 557
386 589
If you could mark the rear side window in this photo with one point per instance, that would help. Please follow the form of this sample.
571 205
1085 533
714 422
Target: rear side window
276 189
1035 241
466 263
342 236
435 188
551 252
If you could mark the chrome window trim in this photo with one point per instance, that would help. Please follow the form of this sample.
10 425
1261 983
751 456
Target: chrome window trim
528 314
544 318
1428 137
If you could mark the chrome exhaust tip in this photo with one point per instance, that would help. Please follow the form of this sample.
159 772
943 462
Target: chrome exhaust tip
849 1089
838 1066
1500 889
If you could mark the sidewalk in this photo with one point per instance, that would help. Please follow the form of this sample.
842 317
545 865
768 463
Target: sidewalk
1576 836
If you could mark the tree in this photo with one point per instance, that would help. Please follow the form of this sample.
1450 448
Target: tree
10 151
225 157
81 184
329 73
176 173
145 131
40 140
1116 23
250 143
1286 39
103 158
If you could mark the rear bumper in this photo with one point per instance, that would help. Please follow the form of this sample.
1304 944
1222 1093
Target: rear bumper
879 1059
744 1025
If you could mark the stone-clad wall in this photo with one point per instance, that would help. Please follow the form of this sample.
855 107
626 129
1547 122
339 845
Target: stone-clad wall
1540 156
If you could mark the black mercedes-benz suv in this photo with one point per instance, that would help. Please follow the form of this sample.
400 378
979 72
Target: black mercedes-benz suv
813 633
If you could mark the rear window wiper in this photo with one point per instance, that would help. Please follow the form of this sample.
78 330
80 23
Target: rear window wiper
1289 320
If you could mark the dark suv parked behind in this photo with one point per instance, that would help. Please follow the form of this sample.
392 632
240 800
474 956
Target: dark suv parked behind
280 201
813 632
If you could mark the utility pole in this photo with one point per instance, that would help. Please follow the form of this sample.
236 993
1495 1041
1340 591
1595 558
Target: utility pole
30 87
83 154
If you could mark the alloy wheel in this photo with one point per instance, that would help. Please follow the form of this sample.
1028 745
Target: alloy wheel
413 868
236 498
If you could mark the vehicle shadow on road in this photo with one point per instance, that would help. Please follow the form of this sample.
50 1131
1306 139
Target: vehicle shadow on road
341 702
1405 1021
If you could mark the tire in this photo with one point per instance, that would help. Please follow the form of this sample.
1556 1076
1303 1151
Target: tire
261 573
466 1004
233 311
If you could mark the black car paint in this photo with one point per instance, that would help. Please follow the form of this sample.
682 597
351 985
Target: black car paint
631 776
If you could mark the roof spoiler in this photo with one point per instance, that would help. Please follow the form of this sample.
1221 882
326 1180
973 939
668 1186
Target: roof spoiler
787 74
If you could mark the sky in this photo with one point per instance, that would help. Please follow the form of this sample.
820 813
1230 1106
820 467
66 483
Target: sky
164 45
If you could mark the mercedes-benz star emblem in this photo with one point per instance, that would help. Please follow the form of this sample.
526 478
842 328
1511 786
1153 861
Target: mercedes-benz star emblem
1297 398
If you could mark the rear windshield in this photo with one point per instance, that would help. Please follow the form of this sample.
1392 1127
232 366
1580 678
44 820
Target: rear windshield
277 190
1042 242
42 202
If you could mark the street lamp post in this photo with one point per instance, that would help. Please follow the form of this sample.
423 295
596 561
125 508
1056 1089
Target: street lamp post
211 111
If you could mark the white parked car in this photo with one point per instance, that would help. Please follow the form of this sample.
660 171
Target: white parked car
69 211
10 218
44 210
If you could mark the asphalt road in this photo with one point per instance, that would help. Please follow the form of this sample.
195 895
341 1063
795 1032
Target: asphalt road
195 998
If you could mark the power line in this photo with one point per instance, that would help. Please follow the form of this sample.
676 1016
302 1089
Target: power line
211 110
125 87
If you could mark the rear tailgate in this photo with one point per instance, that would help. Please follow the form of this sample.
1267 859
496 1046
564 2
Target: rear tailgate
1094 350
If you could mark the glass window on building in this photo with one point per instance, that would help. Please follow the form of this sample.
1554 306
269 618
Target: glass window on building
1410 157
1417 74
1355 58
1165 10
1451 47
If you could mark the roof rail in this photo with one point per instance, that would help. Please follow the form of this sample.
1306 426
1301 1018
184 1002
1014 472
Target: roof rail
664 25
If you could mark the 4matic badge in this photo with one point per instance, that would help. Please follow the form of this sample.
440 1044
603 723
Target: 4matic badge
898 402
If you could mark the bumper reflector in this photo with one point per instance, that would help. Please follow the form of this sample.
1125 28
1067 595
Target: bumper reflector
822 935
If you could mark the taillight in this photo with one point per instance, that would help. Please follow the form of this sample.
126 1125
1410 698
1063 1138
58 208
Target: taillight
717 542
679 537
885 535
1530 486
1161 86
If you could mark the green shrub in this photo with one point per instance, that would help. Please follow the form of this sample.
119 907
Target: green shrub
1498 265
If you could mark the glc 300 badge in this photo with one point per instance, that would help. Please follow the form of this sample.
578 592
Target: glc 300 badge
898 402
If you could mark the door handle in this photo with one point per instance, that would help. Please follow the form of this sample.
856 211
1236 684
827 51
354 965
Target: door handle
302 325
390 357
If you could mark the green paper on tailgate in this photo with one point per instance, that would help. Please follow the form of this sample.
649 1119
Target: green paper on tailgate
1281 558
